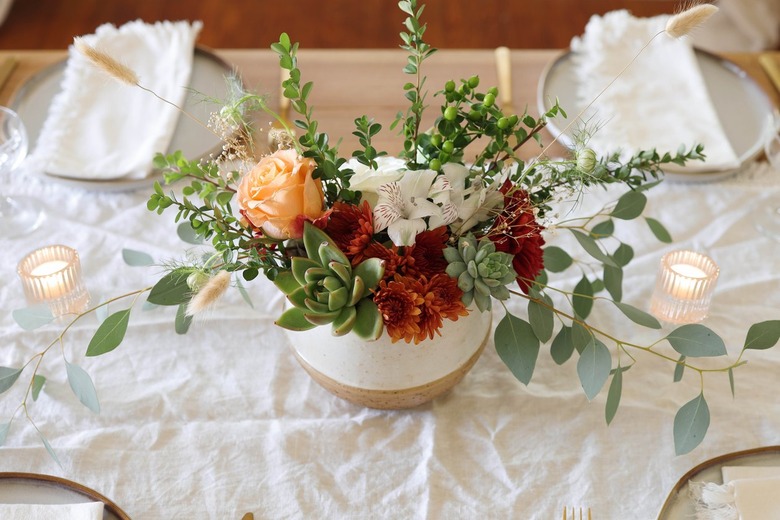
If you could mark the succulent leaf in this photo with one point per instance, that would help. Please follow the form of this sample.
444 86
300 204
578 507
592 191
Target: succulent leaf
322 318
345 322
316 306
293 319
286 282
338 298
299 266
368 323
371 272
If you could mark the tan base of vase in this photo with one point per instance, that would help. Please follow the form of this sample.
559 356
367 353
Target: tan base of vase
394 399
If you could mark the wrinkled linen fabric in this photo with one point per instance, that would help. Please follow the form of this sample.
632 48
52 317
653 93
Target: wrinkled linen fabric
98 128
222 421
659 101
86 511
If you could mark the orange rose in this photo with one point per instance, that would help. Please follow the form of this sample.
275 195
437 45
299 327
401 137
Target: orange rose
279 194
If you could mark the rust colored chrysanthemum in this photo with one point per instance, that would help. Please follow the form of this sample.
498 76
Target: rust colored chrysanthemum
400 309
516 231
352 228
397 262
442 300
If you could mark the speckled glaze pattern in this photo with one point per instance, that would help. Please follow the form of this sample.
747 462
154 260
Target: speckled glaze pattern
386 375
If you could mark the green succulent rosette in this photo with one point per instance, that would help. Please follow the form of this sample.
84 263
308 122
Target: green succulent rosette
324 289
481 271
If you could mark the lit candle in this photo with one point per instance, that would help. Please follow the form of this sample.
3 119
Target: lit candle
52 275
684 287
686 284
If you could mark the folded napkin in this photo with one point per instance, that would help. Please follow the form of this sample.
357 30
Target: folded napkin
749 493
98 128
85 511
660 101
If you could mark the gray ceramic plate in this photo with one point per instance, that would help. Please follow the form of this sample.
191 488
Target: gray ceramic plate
679 506
32 102
738 100
30 488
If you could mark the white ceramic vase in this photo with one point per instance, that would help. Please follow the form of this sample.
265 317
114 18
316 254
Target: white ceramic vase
386 375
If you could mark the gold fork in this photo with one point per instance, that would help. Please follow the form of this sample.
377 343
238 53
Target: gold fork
574 515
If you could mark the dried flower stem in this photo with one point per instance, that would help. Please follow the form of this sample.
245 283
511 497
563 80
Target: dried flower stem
209 293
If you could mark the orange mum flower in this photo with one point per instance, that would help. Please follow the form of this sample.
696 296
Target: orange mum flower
399 308
415 309
442 299
352 228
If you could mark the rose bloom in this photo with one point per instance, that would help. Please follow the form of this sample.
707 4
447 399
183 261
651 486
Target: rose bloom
279 194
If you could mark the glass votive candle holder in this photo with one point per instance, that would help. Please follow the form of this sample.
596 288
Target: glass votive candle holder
52 275
684 287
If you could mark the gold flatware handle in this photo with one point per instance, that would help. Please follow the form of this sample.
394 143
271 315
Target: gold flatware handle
771 65
504 71
6 68
248 516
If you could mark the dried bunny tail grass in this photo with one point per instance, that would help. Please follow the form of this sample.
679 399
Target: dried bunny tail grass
683 23
209 293
106 63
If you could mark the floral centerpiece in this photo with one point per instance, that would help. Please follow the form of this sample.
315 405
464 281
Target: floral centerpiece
396 246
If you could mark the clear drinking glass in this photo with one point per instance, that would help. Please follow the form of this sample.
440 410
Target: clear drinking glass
18 215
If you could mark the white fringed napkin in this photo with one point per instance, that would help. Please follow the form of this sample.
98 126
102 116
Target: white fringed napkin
660 101
85 511
749 493
98 128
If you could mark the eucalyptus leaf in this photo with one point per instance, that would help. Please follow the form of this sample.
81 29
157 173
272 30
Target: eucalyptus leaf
679 368
630 205
82 386
593 368
517 346
638 316
764 335
110 333
691 424
188 234
659 230
556 259
580 336
541 319
31 318
613 395
613 281
592 248
4 432
243 292
562 346
603 229
137 258
48 447
623 254
182 321
696 340
37 385
171 289
8 377
582 299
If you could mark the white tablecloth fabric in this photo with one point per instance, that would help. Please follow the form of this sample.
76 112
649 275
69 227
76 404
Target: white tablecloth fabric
222 421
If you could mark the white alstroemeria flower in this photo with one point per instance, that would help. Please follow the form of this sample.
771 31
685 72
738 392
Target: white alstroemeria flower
368 180
475 203
440 194
403 205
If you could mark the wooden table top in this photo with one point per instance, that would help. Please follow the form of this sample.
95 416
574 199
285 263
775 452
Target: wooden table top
351 83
